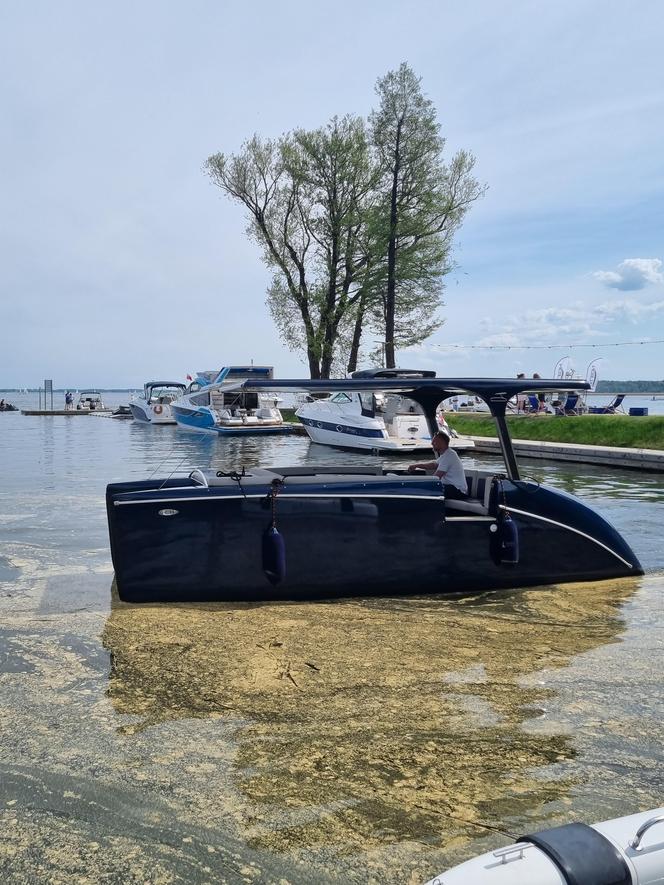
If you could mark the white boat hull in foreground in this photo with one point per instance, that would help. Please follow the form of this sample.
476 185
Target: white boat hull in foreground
623 851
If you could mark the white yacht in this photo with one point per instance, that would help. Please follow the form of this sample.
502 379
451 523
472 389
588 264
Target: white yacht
153 406
215 402
373 421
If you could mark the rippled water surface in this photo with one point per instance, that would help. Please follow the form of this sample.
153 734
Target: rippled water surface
363 740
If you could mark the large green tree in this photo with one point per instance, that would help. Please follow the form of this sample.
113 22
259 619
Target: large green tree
308 196
421 205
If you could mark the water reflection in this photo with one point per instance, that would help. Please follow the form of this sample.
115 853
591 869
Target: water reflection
593 483
372 722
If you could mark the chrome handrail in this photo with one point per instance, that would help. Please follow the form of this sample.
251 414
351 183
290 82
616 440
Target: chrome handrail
518 848
635 843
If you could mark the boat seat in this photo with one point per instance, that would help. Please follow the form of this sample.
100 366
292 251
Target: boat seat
479 494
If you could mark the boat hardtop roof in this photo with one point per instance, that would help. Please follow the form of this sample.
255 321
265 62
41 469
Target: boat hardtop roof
429 392
421 385
394 373
228 375
150 384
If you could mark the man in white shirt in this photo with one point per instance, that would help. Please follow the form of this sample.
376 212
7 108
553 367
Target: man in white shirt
448 467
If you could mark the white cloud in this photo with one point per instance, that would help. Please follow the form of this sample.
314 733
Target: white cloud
568 325
628 309
632 274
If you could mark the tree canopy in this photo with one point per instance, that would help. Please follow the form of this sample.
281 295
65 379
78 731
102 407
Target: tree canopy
356 223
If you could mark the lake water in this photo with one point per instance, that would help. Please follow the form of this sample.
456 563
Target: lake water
368 740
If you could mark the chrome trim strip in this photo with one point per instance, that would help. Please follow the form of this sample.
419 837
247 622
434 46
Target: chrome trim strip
569 529
282 496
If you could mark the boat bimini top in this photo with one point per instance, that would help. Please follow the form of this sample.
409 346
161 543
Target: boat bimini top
149 386
424 388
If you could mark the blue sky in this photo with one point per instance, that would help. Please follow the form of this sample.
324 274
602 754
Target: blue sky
119 260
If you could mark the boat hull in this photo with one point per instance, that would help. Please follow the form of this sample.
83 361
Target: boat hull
347 436
175 541
145 412
343 435
203 421
623 851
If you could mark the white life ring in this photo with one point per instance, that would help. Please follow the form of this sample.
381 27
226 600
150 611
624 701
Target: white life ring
158 410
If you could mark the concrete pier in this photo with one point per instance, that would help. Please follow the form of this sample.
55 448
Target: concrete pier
611 456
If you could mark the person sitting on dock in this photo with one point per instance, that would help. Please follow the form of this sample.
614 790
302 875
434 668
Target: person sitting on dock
448 468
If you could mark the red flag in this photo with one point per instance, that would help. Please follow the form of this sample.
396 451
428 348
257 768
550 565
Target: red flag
189 378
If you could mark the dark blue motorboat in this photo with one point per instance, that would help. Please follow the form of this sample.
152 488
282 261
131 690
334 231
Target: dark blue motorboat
320 532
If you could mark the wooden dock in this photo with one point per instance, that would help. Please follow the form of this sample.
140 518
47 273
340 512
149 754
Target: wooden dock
66 412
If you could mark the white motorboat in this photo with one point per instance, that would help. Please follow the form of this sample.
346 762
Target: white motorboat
374 421
153 406
90 401
623 851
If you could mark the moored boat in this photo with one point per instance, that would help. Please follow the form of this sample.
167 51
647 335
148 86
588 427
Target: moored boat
153 405
217 402
373 421
90 401
121 412
308 532
623 851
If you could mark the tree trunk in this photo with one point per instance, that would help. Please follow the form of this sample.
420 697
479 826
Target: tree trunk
390 297
357 336
328 353
314 367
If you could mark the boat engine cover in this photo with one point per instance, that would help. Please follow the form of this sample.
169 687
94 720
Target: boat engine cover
583 855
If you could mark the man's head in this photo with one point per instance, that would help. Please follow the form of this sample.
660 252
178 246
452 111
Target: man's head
440 441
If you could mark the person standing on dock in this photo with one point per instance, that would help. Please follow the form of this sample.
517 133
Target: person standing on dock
69 401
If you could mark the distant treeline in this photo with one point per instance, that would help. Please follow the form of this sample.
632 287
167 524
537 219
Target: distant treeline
630 386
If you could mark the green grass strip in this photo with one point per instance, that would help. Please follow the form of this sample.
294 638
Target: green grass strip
623 431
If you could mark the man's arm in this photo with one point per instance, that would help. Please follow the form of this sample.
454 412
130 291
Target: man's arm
423 465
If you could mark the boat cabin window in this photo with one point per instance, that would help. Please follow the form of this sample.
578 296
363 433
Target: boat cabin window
340 398
368 403
408 407
238 400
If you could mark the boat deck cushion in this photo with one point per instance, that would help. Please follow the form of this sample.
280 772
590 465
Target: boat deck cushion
479 494
583 856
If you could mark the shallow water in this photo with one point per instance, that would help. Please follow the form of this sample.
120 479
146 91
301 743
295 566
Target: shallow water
362 740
